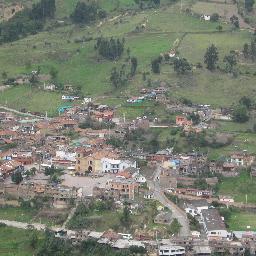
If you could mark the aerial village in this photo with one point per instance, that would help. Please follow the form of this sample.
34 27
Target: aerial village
70 166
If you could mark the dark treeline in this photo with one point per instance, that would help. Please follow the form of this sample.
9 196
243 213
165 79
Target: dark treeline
111 49
87 12
27 21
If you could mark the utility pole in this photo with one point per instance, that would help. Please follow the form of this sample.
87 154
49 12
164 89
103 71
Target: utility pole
181 5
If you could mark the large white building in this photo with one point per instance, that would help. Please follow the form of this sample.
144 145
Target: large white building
116 165
214 226
171 250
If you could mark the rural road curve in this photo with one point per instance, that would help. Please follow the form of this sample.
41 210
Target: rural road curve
177 213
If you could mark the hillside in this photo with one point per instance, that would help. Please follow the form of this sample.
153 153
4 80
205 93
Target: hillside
69 50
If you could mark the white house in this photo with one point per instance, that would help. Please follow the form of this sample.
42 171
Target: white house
139 178
206 17
195 207
171 250
214 226
116 165
226 199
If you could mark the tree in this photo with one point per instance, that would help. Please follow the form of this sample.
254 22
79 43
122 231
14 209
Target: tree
219 28
248 4
155 65
246 101
181 66
44 9
111 49
118 78
234 21
230 61
246 50
17 177
200 184
84 13
215 17
211 57
53 73
253 49
195 118
134 64
4 75
240 114
175 227
125 218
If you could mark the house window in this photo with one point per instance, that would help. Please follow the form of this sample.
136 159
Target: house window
90 162
78 155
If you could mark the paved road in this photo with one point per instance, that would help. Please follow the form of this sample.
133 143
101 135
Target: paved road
177 213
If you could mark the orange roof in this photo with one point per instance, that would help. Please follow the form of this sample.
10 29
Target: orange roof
124 174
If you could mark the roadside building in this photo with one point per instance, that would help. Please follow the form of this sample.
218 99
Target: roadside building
123 188
214 225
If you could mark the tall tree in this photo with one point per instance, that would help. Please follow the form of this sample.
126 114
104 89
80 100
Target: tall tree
235 21
230 61
17 177
134 64
84 12
181 66
211 57
155 65
246 50
248 4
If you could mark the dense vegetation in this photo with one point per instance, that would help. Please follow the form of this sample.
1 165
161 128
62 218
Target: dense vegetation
87 12
27 21
111 49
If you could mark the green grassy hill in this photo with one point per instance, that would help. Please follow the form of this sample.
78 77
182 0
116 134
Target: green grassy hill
78 63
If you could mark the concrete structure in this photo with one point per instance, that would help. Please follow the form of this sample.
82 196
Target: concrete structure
171 250
214 226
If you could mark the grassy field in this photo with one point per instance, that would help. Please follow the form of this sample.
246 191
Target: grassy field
239 187
17 214
240 220
14 242
31 216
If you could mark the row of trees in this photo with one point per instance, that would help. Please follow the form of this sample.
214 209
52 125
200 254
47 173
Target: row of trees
248 4
85 13
148 3
111 49
120 76
27 21
249 50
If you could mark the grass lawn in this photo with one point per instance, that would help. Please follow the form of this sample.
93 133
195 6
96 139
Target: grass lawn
32 216
239 220
239 187
34 100
17 214
14 242
209 8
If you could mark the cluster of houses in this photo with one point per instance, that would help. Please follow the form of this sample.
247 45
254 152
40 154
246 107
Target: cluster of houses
148 94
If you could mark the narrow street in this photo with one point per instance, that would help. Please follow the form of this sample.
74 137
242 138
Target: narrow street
177 213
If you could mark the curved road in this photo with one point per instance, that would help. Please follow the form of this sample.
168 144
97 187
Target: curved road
177 213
